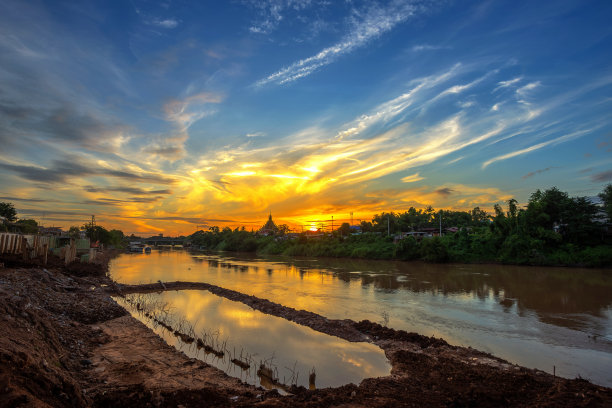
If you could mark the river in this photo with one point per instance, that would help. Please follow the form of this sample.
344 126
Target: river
547 318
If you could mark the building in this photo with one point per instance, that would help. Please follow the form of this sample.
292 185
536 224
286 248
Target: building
51 231
269 228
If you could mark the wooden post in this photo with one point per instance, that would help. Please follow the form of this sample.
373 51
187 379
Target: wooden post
46 252
24 248
70 252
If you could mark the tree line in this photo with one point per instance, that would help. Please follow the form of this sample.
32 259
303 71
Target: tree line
552 229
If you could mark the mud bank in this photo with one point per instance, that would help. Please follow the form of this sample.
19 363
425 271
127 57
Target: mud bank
66 343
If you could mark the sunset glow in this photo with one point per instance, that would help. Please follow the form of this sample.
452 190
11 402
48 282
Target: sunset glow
305 109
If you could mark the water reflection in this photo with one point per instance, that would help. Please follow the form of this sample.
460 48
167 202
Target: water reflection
537 317
255 347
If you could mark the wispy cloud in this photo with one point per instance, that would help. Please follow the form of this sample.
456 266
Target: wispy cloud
602 177
182 113
255 134
126 189
270 13
522 91
538 146
412 178
427 47
539 171
165 23
366 26
396 106
68 169
508 83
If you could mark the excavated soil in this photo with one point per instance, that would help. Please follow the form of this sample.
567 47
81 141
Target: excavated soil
66 343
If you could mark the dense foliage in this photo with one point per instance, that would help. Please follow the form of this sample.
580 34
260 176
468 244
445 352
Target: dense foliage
553 229
97 233
7 210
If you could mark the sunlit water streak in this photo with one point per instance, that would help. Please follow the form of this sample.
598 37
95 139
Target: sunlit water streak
536 317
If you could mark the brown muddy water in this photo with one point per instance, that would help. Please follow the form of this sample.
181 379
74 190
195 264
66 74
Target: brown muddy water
239 340
548 318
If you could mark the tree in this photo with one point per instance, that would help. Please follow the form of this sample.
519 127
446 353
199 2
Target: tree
606 197
345 229
116 237
97 233
282 229
28 226
7 210
479 216
366 226
74 232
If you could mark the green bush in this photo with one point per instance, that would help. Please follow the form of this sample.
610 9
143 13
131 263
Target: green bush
434 250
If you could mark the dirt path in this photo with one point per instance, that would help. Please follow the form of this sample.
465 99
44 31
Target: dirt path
66 343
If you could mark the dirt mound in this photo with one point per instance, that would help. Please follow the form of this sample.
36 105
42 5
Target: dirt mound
140 396
65 343
77 268
379 332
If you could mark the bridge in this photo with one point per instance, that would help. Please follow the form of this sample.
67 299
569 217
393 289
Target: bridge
157 241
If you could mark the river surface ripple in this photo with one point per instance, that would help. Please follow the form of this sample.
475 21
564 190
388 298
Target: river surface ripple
536 317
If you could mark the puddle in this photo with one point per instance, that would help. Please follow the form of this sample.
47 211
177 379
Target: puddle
257 348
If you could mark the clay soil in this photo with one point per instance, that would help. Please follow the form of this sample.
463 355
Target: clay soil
66 343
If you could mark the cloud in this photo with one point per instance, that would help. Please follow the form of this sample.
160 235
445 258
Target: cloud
522 91
604 176
272 12
127 190
165 23
116 202
538 146
65 124
427 47
366 25
533 173
167 152
192 220
31 200
182 113
185 112
412 178
445 191
386 111
255 134
69 168
508 83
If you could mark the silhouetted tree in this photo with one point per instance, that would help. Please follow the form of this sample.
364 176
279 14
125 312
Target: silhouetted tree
606 197
7 210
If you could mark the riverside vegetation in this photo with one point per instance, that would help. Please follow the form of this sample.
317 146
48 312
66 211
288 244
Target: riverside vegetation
552 229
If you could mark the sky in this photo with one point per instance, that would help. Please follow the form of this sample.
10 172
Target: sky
173 116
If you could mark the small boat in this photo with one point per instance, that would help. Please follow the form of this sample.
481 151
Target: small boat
147 250
135 248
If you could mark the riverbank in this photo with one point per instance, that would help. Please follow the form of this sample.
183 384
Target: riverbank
67 343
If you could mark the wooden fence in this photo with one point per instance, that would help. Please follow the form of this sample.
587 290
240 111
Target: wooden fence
29 246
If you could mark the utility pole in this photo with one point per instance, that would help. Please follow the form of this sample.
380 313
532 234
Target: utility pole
440 222
332 224
351 218
388 225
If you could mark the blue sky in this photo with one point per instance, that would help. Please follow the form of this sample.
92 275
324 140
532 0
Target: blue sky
164 116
